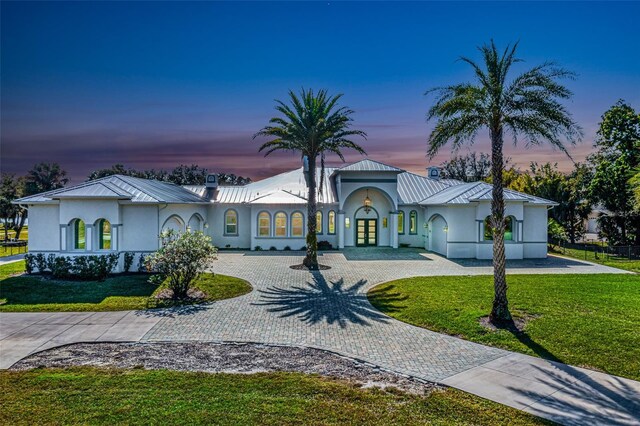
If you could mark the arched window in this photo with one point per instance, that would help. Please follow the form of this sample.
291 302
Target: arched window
331 222
281 224
297 224
508 229
79 234
400 222
231 222
196 223
264 224
103 230
413 222
173 222
318 222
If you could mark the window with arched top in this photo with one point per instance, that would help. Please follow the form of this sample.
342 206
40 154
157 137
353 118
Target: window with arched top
79 234
413 222
400 222
103 233
264 224
174 223
509 233
196 223
318 222
297 224
280 224
231 222
331 222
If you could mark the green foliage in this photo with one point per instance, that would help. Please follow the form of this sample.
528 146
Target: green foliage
615 164
180 259
45 177
87 268
579 319
180 175
29 263
555 232
313 125
128 260
467 168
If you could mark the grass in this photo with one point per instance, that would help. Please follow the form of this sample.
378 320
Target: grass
26 293
632 265
91 396
583 320
9 251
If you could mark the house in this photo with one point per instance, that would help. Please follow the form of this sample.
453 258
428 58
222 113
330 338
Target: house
366 203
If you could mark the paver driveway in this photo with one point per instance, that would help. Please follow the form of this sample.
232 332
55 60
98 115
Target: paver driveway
329 310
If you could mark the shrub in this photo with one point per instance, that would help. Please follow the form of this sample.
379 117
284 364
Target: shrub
303 248
41 263
142 266
287 248
180 259
273 248
29 263
128 260
60 266
94 267
51 259
257 248
324 245
227 246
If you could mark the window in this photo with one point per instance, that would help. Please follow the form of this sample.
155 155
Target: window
331 222
508 229
231 222
318 222
281 224
413 222
104 234
79 235
400 222
297 225
174 223
264 224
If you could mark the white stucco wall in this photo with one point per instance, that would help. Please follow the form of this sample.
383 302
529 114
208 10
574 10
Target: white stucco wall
217 228
44 227
381 209
414 240
139 228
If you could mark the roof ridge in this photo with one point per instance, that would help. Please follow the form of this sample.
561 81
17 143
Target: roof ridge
137 187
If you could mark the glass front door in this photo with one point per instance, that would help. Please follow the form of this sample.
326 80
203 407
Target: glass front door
366 232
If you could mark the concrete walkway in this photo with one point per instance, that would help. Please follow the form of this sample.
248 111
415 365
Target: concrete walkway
329 310
10 259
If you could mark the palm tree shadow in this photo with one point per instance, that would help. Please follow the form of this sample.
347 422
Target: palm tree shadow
524 338
320 300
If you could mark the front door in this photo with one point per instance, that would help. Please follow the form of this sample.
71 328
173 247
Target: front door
366 232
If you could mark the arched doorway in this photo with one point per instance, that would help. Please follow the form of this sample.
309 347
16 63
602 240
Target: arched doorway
438 235
366 227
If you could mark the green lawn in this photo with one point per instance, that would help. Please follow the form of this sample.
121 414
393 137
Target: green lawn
90 396
122 292
583 320
626 264
8 251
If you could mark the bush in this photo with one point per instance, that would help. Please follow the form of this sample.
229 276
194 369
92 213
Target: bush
273 248
94 267
257 248
303 248
142 266
60 266
128 260
29 263
41 263
324 245
180 259
287 248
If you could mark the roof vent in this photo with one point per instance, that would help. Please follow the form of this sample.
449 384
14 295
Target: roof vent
433 172
211 185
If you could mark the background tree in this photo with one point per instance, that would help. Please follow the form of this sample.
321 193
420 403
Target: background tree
527 106
11 188
468 168
181 175
615 162
188 175
313 125
45 177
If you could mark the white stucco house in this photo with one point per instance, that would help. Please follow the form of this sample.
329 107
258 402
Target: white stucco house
366 203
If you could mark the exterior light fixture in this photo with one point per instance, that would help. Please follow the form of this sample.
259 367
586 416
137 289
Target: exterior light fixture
446 228
206 225
367 203
347 222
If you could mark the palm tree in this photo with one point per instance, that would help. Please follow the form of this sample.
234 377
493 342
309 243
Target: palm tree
312 125
526 106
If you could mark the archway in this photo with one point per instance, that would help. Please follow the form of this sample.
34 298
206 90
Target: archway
173 222
195 223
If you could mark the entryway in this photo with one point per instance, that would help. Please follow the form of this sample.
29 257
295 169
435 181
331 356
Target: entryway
366 232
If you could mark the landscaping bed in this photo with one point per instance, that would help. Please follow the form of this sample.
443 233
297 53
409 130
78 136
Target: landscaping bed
33 293
272 389
578 319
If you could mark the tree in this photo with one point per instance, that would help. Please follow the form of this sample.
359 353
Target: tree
188 175
527 106
10 214
45 177
181 175
180 259
615 162
313 125
468 168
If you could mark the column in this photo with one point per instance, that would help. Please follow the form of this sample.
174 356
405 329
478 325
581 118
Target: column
340 229
63 237
115 233
88 235
393 229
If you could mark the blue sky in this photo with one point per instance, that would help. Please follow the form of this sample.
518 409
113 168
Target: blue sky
158 84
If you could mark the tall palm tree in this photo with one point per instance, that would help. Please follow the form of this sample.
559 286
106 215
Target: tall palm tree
526 107
313 125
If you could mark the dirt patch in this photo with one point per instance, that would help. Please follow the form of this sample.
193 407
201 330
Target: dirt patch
242 358
193 295
517 325
305 268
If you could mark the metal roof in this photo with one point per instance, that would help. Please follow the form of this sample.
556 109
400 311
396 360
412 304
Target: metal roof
478 191
367 165
413 188
117 186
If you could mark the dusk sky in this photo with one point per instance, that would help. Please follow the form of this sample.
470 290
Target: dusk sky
155 85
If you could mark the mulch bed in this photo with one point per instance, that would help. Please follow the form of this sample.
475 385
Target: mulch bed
243 358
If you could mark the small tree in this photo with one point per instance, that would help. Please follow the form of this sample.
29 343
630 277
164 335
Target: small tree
180 259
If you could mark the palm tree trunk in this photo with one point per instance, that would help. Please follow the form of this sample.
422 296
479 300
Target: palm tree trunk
500 311
311 259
